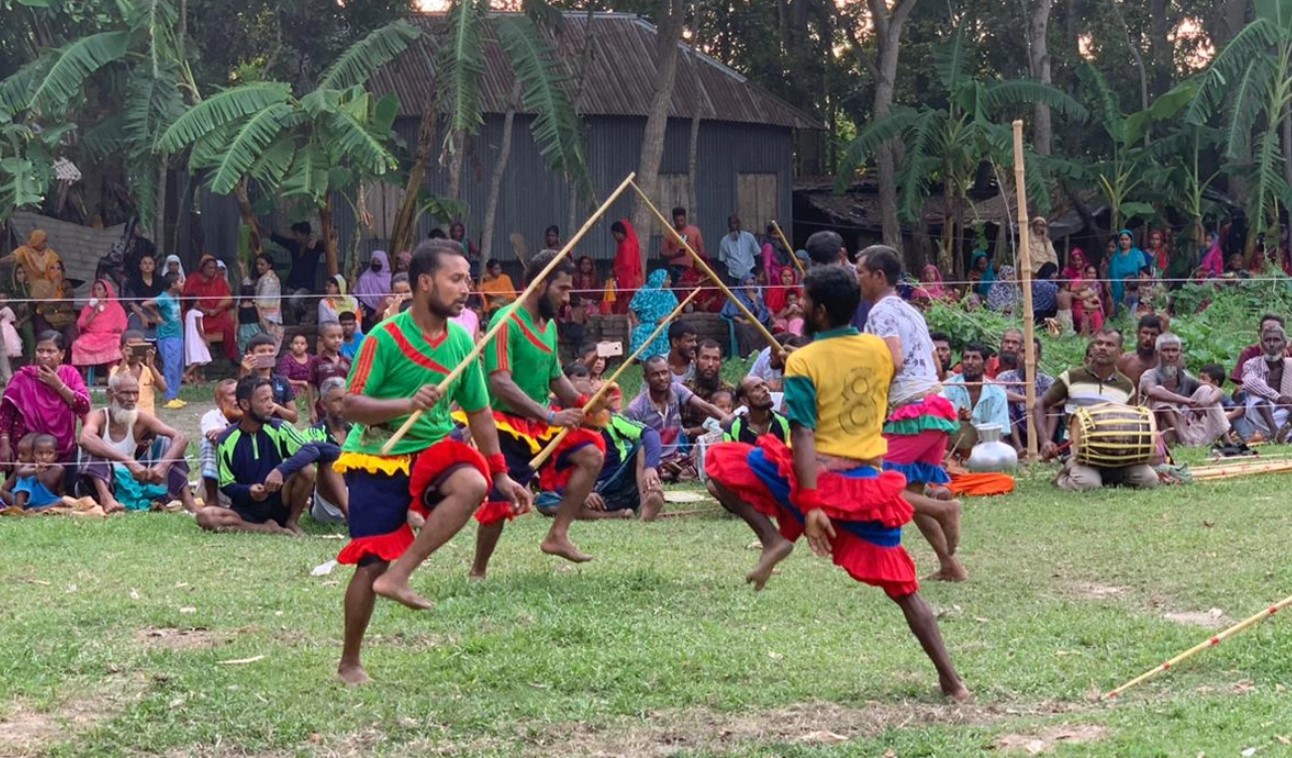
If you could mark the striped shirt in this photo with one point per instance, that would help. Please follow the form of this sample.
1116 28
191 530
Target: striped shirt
1080 387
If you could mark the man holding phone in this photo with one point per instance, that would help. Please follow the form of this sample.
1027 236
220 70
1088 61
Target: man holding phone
140 361
260 360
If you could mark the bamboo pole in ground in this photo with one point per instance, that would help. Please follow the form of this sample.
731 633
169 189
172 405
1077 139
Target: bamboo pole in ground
601 393
703 266
1024 244
1211 642
798 264
443 386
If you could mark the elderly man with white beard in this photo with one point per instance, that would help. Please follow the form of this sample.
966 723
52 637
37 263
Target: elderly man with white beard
128 454
1267 380
1188 409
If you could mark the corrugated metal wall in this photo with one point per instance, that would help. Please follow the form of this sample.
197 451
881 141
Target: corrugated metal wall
534 197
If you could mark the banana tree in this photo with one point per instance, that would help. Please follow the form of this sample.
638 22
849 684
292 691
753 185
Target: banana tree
946 146
1255 70
1131 170
325 142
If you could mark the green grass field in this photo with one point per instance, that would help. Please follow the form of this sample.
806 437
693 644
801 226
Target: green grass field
141 636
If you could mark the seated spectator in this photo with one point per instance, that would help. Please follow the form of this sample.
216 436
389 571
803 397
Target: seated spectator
1250 352
351 337
1097 382
58 312
747 335
248 316
129 458
401 294
977 400
46 397
373 287
141 363
769 365
261 360
706 382
1011 343
683 341
99 328
294 365
331 427
760 418
942 349
260 461
38 477
785 301
592 360
336 300
144 285
327 364
496 287
1267 382
207 292
1189 412
725 401
1133 365
659 406
629 480
1014 381
212 425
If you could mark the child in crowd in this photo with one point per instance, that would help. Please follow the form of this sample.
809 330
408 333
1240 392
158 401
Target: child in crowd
40 479
213 424
170 338
23 451
139 357
295 364
196 353
1092 306
9 333
327 364
248 316
351 337
1064 298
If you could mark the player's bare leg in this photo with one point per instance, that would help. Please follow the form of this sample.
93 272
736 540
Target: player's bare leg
587 463
775 547
920 618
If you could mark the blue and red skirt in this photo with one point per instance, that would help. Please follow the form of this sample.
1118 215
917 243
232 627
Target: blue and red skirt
865 504
520 440
384 488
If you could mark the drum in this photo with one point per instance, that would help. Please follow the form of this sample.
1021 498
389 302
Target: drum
1112 436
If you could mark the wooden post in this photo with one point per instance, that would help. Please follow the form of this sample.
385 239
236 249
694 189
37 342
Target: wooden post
1025 271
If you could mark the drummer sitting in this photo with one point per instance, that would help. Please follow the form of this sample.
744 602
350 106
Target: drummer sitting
1097 382
978 400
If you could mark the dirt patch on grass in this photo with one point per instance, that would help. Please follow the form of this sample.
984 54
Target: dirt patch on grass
170 638
26 731
1212 619
1048 739
699 730
1094 591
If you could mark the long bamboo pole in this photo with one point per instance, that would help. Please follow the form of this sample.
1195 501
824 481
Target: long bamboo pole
699 262
1029 331
443 386
1211 642
798 264
601 393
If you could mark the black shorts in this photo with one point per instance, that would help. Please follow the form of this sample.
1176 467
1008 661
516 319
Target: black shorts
271 508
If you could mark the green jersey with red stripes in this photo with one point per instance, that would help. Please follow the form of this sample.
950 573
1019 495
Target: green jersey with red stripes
396 360
526 352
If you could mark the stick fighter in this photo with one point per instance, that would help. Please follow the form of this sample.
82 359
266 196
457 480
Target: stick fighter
440 480
831 485
524 370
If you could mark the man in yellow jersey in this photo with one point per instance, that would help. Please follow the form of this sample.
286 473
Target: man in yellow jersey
831 485
396 373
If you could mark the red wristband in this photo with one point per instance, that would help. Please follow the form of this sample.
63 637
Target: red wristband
808 500
497 464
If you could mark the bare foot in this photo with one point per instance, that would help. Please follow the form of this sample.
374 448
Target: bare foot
951 572
771 556
294 529
352 674
416 520
954 690
400 592
563 548
476 576
112 506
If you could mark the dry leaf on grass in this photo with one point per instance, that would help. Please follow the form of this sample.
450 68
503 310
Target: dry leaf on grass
824 737
323 569
242 661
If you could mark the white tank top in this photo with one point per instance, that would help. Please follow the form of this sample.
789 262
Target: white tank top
126 446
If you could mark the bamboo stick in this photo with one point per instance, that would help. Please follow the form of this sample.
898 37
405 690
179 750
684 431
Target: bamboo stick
1024 243
601 393
798 264
699 262
1211 642
443 386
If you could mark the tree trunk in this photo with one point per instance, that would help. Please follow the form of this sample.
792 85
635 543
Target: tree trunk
1038 49
495 181
401 237
693 168
456 159
669 26
888 32
1135 56
329 237
1161 52
159 212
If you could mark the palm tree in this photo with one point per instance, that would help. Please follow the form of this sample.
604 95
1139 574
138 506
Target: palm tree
949 144
1255 70
327 141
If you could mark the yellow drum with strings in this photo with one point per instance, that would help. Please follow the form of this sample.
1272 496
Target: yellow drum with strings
1109 435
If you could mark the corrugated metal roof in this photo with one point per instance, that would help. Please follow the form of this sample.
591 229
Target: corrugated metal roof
620 78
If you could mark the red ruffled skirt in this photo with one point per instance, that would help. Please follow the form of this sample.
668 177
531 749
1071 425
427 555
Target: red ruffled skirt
522 439
866 506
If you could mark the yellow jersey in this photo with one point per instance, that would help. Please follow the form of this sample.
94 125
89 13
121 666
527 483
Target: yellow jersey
838 387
